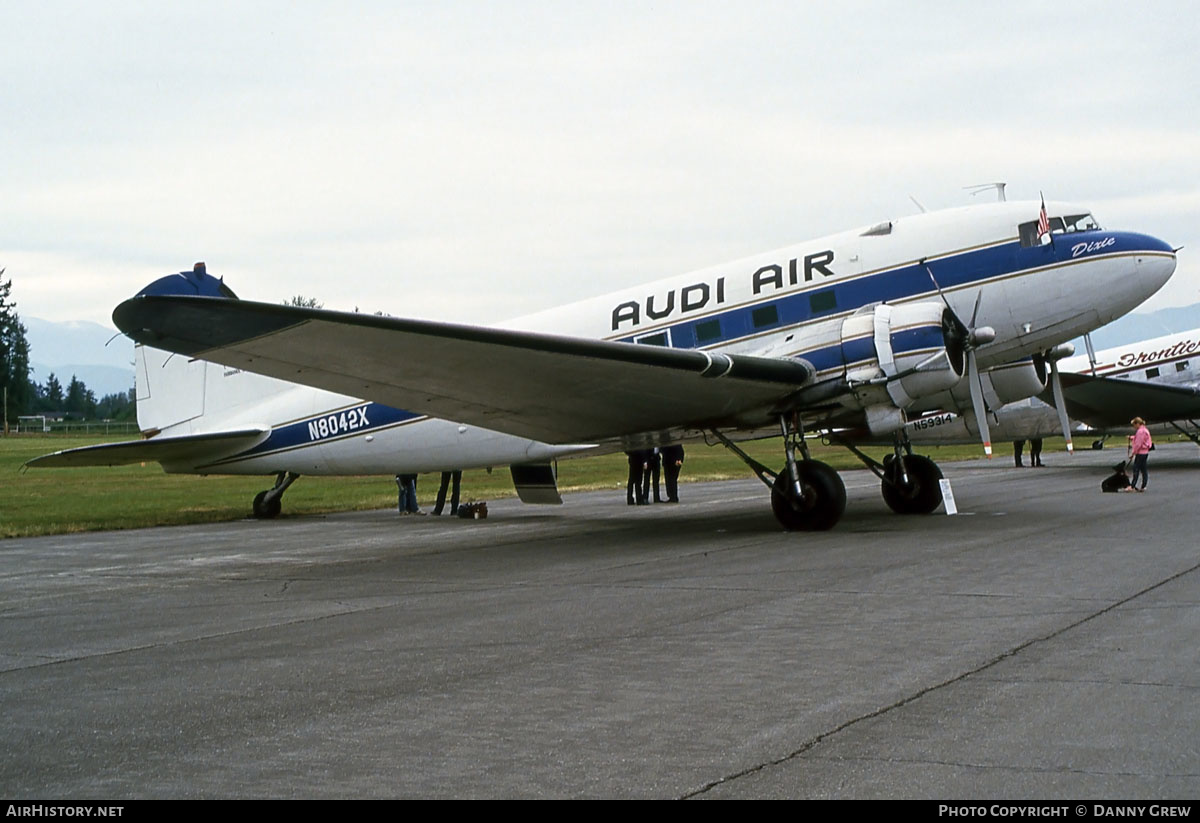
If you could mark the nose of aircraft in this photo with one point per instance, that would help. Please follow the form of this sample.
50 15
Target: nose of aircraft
1156 264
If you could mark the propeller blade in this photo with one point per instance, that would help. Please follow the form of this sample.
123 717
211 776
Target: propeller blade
977 403
975 311
1063 420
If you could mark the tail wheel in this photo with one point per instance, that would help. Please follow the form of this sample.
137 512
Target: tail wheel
265 509
921 494
821 504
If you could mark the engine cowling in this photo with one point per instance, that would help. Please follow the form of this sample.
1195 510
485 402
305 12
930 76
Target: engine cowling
895 355
1001 385
1017 381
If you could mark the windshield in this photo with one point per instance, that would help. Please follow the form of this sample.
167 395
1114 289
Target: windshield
1058 225
1080 222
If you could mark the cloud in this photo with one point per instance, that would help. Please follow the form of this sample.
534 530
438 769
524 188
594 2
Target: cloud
476 161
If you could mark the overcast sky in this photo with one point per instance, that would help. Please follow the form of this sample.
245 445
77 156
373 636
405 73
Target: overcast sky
475 161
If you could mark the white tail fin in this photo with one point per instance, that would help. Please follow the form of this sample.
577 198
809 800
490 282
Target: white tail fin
186 396
170 389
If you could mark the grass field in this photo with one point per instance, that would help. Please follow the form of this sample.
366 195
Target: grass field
57 501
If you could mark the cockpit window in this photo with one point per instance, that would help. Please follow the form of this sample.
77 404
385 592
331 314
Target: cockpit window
1058 225
1080 222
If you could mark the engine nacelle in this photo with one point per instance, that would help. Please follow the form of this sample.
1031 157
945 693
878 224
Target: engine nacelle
1016 381
903 350
1001 385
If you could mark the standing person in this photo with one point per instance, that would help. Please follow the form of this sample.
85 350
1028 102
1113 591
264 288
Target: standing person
672 458
1018 448
643 495
448 477
1035 452
407 502
633 488
655 458
1140 445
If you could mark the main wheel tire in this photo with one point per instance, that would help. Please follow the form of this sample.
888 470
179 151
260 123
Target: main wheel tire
921 495
264 509
822 504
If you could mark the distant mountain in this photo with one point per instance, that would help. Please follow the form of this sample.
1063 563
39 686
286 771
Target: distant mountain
77 341
83 349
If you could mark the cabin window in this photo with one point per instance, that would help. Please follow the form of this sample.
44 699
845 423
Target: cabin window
660 338
1181 366
1151 373
708 330
822 301
764 316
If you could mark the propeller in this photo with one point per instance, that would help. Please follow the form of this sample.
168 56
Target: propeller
962 340
979 337
1052 357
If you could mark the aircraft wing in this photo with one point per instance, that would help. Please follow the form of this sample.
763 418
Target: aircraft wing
546 387
190 450
1105 402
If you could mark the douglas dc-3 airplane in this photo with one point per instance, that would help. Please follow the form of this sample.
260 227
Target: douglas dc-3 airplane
863 328
1157 379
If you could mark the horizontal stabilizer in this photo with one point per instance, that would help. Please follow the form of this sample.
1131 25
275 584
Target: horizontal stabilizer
536 484
189 450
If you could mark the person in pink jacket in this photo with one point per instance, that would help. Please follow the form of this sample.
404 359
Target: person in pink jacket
1140 445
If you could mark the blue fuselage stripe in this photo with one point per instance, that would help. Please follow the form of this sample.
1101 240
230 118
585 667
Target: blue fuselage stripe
361 418
952 271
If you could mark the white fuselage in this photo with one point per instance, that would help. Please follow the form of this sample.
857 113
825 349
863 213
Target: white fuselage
1033 297
797 302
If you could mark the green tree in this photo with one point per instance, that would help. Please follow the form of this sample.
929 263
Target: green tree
52 394
14 356
119 406
303 302
80 399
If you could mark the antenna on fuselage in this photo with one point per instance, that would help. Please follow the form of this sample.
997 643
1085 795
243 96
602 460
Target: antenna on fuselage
919 206
999 187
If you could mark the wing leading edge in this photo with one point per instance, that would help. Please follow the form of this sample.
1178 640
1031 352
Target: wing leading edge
551 388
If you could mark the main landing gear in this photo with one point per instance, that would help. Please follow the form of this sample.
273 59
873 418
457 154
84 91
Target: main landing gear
268 504
910 483
806 495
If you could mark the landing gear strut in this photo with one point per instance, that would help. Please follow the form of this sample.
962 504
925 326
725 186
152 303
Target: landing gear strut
806 495
909 482
1194 435
268 504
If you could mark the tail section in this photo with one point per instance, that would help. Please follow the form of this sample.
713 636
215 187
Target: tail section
170 389
179 395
